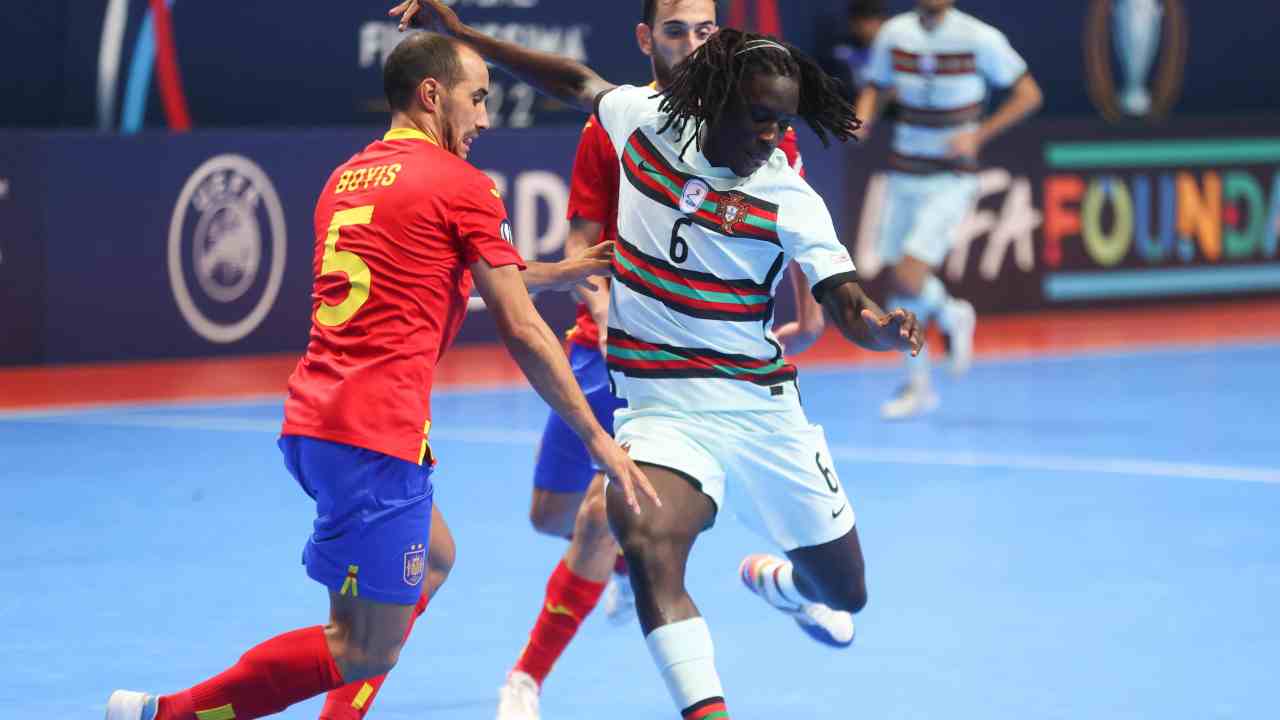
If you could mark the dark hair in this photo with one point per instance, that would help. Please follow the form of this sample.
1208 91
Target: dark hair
649 11
860 9
416 58
703 83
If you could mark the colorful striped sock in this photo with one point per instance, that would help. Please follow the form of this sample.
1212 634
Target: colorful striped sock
713 708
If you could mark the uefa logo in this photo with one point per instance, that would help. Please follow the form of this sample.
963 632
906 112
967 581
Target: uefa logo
227 243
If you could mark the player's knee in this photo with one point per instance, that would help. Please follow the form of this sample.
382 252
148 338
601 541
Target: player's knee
908 279
360 662
551 518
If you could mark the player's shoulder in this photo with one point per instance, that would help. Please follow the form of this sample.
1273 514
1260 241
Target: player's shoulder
897 26
781 184
978 28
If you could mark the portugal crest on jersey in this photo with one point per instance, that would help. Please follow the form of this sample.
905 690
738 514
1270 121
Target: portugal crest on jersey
732 210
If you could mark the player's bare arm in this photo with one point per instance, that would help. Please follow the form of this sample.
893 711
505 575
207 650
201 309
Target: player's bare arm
572 273
559 77
865 324
800 334
1024 99
540 356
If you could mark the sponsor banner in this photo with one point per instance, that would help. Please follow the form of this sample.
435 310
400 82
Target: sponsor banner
22 253
165 246
200 245
1076 212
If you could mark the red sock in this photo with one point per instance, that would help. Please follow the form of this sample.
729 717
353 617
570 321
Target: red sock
569 601
352 701
284 670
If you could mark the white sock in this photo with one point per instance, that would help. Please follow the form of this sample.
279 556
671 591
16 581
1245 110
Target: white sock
685 658
933 296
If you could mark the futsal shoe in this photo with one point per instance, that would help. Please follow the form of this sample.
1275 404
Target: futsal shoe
914 399
130 705
619 600
518 698
959 320
820 622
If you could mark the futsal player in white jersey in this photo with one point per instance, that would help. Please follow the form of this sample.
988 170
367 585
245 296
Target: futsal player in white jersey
939 64
709 214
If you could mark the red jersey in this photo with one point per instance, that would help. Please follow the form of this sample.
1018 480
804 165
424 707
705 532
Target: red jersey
397 228
593 195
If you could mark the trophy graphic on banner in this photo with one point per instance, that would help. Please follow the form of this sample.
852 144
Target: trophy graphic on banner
1137 36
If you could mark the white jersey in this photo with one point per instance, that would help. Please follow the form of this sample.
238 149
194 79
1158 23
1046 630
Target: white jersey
941 78
700 254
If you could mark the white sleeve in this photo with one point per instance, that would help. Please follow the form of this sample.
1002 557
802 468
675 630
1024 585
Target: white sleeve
623 109
879 68
809 238
998 62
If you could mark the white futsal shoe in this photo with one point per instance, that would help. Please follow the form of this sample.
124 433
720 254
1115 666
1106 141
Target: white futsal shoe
619 600
131 705
518 698
818 621
912 400
959 320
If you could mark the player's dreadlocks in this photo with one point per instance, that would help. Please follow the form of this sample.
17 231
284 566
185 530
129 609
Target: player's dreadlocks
703 84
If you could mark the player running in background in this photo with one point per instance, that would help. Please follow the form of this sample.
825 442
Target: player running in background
568 494
938 63
708 217
401 230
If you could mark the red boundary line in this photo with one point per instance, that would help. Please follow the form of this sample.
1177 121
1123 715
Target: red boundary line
489 365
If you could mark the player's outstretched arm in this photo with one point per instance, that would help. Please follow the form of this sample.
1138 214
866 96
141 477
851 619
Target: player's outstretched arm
572 273
542 359
862 321
564 79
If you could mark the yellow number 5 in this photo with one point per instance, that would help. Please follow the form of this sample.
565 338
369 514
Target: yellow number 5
336 260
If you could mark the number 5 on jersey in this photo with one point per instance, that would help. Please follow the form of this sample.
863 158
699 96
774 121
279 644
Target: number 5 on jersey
335 260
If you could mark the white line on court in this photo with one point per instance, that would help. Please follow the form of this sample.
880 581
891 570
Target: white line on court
1058 463
887 456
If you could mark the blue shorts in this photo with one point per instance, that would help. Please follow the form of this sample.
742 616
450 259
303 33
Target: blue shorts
373 519
564 465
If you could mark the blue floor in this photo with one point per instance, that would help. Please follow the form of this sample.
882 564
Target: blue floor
1094 537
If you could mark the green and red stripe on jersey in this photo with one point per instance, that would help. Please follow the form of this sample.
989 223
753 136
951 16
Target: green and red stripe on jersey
638 358
694 293
710 709
651 174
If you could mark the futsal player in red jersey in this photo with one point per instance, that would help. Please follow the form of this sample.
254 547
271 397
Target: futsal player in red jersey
568 490
402 230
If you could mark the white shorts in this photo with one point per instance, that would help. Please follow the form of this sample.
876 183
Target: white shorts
923 213
784 484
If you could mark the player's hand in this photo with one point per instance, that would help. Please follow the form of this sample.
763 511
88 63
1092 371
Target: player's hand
427 15
621 469
895 330
965 145
576 272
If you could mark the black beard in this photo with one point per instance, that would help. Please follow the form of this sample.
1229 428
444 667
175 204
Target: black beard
662 72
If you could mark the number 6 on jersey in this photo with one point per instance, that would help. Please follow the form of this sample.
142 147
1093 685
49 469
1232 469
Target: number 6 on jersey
335 260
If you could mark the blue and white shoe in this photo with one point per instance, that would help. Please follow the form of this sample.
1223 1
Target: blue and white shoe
820 622
130 705
619 600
